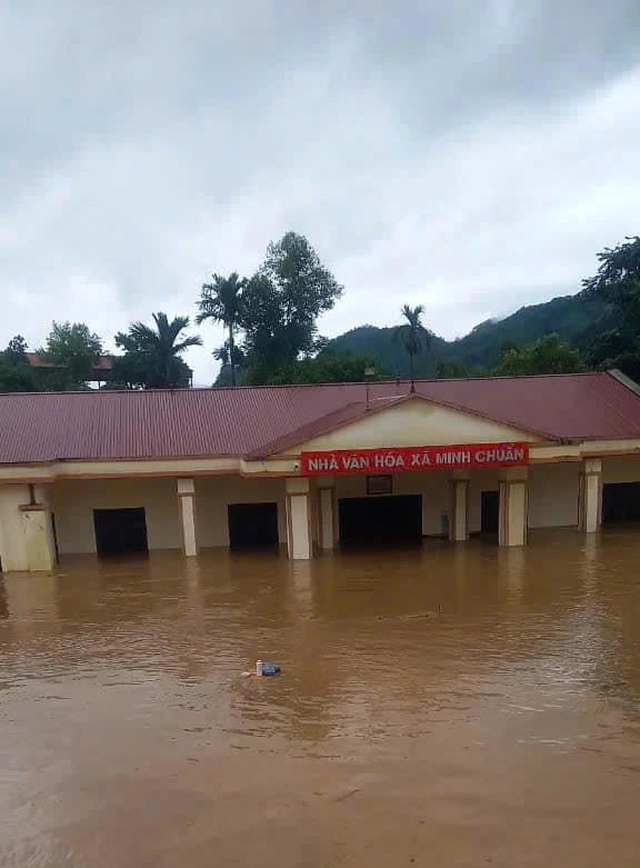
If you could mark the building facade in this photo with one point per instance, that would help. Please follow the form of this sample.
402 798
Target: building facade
309 468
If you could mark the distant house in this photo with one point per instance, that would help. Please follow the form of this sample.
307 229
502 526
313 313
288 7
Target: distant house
101 373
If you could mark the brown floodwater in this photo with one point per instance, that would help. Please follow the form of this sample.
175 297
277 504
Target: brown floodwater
444 706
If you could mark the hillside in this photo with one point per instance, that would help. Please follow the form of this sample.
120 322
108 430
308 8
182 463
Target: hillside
574 318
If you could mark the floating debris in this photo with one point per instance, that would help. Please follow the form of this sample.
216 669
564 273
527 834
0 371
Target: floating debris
263 668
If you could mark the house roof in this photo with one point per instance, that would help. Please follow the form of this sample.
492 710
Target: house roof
38 360
190 423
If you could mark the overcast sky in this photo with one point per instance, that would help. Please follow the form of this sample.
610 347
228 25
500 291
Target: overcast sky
470 156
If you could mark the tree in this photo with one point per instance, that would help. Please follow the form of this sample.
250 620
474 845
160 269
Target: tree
548 355
221 301
16 374
615 348
152 356
329 366
17 349
74 350
281 305
223 355
452 369
413 335
617 282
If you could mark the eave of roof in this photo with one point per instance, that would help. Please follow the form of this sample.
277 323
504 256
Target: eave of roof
260 421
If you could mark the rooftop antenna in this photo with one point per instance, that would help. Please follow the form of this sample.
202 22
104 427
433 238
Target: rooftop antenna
369 374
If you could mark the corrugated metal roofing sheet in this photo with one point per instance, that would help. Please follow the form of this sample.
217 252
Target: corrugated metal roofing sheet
188 423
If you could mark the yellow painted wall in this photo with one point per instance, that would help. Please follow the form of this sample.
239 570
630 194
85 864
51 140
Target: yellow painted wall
621 469
73 503
416 423
26 539
553 495
553 501
13 551
214 493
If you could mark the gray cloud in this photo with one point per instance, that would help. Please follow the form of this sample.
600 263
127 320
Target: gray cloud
472 157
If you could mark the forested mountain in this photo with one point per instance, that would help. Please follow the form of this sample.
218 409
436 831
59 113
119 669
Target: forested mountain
574 318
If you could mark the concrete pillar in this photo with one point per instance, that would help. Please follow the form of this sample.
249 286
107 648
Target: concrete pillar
26 534
590 496
298 501
459 509
513 507
187 504
326 514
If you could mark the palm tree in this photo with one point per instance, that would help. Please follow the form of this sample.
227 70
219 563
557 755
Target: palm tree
161 347
223 355
221 301
414 336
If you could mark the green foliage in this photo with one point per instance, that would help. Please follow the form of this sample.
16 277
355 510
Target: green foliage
413 335
547 355
575 319
17 349
305 287
567 316
281 305
151 357
74 350
618 280
221 301
453 369
329 366
382 345
16 374
617 283
615 348
227 376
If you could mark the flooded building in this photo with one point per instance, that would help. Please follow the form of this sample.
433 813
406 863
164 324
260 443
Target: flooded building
307 468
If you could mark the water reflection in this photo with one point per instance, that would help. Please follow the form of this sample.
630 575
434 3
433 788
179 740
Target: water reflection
590 562
30 599
302 588
443 664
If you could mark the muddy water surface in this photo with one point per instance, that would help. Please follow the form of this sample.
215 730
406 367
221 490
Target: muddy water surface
449 706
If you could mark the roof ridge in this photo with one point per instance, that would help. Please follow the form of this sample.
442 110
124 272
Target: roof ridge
283 386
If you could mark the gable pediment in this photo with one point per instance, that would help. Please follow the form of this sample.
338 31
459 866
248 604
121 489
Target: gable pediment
415 422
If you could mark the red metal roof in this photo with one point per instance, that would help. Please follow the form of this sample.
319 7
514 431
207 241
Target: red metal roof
187 423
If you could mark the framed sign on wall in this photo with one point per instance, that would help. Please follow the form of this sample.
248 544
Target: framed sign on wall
380 484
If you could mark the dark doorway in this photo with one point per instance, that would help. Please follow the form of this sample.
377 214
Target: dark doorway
120 531
620 502
490 512
253 525
380 519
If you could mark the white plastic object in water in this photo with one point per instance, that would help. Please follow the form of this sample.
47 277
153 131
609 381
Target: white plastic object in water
258 667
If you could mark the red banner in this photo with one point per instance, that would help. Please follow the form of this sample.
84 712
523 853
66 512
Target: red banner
412 458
